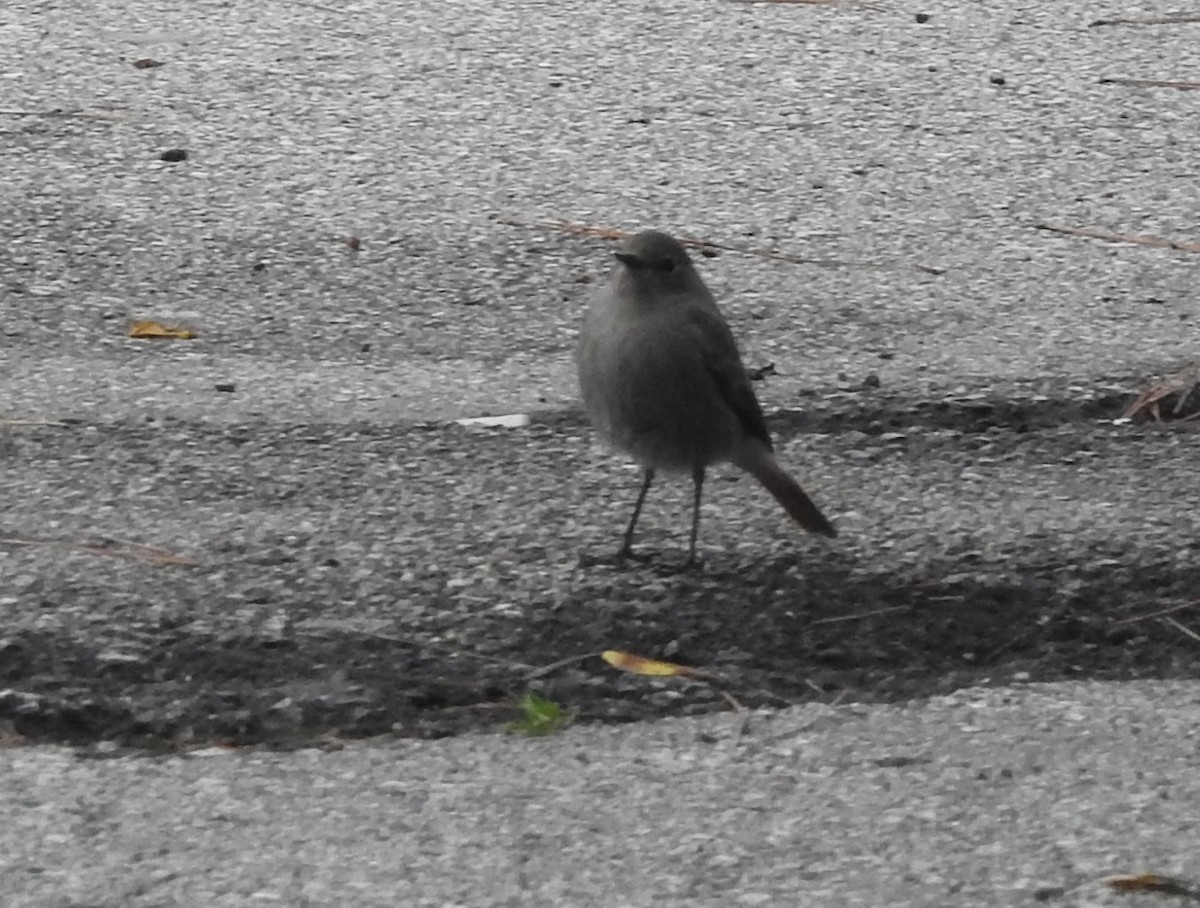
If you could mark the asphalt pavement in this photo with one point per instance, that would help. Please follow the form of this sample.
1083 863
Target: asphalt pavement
266 605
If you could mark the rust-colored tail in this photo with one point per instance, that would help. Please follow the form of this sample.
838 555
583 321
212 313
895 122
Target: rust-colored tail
760 463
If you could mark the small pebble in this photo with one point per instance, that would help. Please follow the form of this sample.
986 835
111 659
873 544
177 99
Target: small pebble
1048 893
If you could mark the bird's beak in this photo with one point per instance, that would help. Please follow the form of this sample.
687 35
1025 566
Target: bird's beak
629 260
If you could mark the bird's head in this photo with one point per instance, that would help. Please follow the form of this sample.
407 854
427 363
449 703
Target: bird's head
655 261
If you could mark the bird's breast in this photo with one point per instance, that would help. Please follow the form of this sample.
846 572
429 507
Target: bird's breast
646 388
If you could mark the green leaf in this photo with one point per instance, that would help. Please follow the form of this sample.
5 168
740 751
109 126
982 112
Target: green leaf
539 716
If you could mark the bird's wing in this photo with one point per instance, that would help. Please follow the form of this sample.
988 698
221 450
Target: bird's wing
724 365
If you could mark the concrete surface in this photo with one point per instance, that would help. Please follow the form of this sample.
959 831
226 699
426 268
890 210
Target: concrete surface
1011 796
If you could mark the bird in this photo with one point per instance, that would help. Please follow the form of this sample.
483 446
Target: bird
662 380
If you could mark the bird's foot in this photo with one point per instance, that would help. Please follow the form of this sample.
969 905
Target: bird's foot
694 563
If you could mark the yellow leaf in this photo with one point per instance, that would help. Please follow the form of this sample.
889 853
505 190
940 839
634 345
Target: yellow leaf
639 666
147 329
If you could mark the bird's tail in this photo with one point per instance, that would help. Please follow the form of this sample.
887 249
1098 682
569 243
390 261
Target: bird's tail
760 463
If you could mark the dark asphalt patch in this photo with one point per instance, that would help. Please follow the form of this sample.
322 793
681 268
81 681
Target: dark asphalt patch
369 580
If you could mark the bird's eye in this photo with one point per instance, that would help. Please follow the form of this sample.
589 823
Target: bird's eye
668 265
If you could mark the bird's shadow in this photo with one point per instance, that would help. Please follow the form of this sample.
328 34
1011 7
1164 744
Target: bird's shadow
826 622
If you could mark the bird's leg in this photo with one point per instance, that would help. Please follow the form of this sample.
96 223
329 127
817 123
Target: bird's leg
627 549
698 488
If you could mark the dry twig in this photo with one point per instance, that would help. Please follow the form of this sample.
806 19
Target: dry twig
1183 628
130 550
858 4
1160 613
857 615
1166 20
26 423
555 666
609 233
1153 83
1110 237
106 115
1181 384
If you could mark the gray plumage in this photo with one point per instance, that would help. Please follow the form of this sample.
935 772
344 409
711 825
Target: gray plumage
662 380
